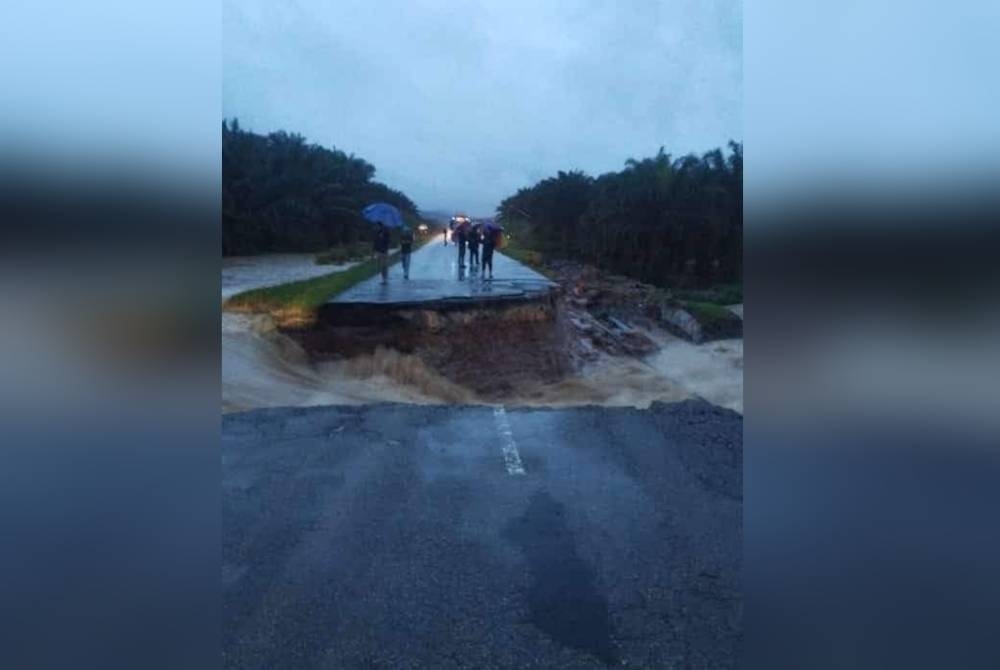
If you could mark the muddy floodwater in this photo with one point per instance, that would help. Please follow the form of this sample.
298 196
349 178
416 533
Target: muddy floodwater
242 273
264 367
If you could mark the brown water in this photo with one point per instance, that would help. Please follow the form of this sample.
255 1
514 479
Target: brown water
262 367
242 273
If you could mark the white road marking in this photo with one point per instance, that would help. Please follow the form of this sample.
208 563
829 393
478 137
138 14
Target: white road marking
511 458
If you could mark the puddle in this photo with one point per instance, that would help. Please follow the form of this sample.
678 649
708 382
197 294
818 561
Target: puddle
563 599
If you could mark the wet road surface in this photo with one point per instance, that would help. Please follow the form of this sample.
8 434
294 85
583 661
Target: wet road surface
435 275
401 536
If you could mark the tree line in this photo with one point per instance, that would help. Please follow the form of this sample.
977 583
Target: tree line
280 193
661 220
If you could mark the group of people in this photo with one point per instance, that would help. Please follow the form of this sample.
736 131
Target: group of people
471 236
466 236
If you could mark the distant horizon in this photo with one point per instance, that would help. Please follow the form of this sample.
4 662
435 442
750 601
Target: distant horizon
449 211
438 210
460 105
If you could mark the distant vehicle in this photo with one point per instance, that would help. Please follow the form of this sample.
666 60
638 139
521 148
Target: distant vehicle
422 229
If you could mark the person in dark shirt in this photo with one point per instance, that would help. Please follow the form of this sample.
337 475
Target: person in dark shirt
405 248
459 236
489 243
382 251
473 242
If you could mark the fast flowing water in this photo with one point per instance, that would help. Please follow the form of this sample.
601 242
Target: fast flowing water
262 367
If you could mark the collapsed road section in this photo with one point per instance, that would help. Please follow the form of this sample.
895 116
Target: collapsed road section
435 304
448 336
441 283
488 336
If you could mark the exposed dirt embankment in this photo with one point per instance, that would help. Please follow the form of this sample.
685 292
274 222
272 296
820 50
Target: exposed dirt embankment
592 343
624 303
596 326
490 350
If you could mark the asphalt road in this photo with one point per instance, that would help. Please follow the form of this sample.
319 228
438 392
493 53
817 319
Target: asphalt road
435 275
402 536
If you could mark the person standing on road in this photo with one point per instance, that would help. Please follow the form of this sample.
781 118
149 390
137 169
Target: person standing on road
489 243
382 251
460 234
474 239
405 248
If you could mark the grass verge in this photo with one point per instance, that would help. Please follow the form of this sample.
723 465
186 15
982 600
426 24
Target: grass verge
529 257
716 321
294 304
707 312
721 294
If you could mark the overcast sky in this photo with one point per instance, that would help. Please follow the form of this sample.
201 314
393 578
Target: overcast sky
459 104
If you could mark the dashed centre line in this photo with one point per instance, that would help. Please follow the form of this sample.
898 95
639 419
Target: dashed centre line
511 457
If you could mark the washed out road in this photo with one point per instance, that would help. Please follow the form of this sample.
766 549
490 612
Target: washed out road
435 275
402 536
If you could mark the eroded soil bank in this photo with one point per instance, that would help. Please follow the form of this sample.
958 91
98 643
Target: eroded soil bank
565 353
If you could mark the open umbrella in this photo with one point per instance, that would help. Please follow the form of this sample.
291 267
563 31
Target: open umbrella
383 213
492 228
495 231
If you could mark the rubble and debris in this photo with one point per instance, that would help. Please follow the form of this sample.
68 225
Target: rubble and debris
629 306
492 350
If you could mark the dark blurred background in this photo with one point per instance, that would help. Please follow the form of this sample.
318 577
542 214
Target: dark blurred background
109 388
872 362
872 358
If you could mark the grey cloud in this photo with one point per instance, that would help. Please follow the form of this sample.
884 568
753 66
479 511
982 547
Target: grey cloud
459 104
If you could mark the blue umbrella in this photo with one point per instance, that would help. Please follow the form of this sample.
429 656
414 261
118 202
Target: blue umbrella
385 214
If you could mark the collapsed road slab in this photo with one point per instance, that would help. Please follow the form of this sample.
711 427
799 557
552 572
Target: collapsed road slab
436 279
